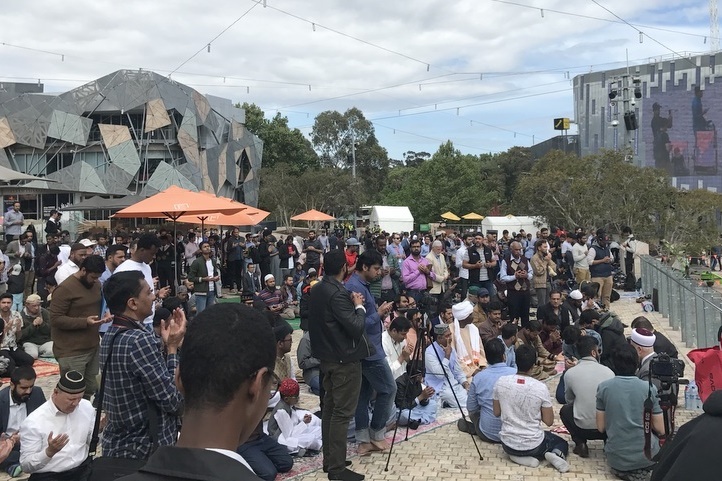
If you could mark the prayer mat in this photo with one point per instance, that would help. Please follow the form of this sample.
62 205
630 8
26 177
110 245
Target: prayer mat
43 368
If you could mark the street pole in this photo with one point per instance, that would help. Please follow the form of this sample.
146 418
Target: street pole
353 175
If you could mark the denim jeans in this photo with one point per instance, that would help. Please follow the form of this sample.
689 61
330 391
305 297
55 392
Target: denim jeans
266 456
204 302
551 442
376 376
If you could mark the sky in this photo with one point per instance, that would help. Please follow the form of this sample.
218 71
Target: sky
486 74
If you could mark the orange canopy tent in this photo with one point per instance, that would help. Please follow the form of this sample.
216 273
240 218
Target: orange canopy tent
247 216
313 215
175 202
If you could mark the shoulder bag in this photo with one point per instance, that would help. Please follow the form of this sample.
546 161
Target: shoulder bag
106 468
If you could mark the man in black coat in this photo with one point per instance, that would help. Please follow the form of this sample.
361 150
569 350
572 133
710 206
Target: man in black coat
18 400
338 340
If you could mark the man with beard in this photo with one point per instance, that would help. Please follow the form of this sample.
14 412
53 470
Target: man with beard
35 333
491 327
78 253
385 287
18 400
480 264
599 259
415 272
313 250
74 322
571 308
481 308
165 259
516 272
114 256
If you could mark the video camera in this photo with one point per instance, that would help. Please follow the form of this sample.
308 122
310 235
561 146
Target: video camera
666 369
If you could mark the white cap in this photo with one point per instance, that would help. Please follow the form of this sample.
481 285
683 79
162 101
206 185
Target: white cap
643 337
462 310
268 276
87 242
576 294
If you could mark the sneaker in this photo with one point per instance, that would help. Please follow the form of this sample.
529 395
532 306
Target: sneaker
14 470
527 461
557 460
581 450
346 475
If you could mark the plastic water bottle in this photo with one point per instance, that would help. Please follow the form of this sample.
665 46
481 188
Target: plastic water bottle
687 402
695 402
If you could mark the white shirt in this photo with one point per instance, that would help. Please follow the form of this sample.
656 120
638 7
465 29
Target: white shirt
566 246
34 432
233 455
211 273
393 351
18 413
64 253
521 399
131 265
579 252
66 270
462 254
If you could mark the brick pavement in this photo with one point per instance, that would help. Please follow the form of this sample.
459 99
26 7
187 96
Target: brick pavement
446 453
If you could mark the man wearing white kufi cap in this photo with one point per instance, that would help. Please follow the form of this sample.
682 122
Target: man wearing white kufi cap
466 339
440 358
643 342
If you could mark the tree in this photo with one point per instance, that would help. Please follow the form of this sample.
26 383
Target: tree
280 143
604 190
414 159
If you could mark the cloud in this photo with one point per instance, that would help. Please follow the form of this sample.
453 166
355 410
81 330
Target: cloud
505 43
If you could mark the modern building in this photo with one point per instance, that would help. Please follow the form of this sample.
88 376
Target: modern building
661 113
130 132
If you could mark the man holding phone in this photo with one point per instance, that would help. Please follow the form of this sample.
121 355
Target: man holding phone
517 275
376 373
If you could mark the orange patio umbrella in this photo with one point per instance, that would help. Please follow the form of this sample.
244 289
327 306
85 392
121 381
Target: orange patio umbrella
175 202
313 215
247 216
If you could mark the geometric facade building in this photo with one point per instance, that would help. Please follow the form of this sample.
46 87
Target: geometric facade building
129 132
662 113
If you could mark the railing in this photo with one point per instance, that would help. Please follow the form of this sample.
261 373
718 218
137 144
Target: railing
693 309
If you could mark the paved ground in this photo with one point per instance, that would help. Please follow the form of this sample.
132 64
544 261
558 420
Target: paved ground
446 453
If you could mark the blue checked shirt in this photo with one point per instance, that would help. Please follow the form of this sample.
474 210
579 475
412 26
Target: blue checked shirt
138 372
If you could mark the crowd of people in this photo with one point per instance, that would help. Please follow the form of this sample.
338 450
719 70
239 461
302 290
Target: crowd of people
396 328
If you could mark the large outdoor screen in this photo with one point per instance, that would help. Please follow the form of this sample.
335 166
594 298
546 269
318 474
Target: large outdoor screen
680 132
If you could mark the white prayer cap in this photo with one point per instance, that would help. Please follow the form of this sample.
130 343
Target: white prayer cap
462 310
643 337
576 294
268 276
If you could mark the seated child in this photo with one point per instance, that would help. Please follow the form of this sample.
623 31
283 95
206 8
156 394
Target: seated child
296 429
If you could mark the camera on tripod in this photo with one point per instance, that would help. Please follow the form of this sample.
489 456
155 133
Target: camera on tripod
666 369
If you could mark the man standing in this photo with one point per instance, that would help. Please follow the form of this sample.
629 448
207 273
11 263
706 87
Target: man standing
13 222
522 402
22 251
190 250
35 334
376 374
480 400
397 250
234 260
55 437
52 226
140 259
313 250
416 271
579 414
462 255
17 401
442 362
74 322
541 263
222 406
203 273
437 261
78 253
338 339
138 377
101 247
385 287
599 259
516 273
114 256
480 264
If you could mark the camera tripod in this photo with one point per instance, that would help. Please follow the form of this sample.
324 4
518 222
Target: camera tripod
417 369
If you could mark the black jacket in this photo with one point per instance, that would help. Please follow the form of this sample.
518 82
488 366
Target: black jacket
37 398
338 330
171 463
407 390
611 330
693 452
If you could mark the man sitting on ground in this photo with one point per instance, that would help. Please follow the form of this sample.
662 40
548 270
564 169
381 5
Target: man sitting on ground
397 351
522 402
35 335
17 401
55 437
466 340
491 327
442 362
580 383
661 343
416 402
480 401
546 361
550 335
508 337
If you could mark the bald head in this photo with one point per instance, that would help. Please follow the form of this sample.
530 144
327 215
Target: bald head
515 249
